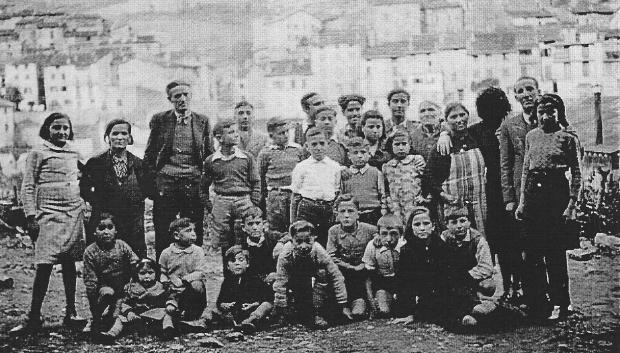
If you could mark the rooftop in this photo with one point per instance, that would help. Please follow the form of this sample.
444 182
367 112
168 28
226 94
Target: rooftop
585 7
537 13
439 4
417 44
493 43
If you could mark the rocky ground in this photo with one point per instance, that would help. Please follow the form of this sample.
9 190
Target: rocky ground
595 289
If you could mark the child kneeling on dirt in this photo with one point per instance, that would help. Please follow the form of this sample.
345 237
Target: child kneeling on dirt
183 269
346 243
300 260
144 300
465 270
245 299
107 269
417 272
259 246
381 262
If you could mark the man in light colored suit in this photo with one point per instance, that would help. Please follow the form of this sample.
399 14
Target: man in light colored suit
179 142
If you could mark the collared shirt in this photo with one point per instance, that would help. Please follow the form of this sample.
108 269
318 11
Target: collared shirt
345 247
237 153
119 165
183 119
317 180
189 263
381 259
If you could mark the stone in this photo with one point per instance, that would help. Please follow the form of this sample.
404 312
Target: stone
6 282
602 240
210 342
581 254
235 337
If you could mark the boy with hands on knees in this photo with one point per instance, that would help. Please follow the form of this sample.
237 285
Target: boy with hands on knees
244 300
183 268
381 260
346 244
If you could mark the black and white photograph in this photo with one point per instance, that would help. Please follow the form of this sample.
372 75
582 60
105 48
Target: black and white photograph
309 176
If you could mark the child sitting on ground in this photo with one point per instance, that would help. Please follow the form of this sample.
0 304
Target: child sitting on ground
346 243
107 269
403 176
183 269
465 270
259 246
244 300
381 260
145 297
364 182
416 273
300 260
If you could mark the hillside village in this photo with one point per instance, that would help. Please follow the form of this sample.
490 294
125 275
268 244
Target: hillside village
96 62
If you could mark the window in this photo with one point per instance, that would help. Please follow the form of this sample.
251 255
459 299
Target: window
585 67
545 52
504 57
567 74
585 51
63 88
525 51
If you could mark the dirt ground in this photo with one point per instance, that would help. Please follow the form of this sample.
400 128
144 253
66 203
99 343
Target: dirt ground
595 290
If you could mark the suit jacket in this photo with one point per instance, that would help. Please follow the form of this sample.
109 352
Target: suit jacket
512 151
99 187
159 145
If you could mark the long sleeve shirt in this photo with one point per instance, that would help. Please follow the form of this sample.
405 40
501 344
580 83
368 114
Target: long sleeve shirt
189 264
367 185
236 175
289 267
348 248
276 165
107 267
244 289
317 180
557 150
475 250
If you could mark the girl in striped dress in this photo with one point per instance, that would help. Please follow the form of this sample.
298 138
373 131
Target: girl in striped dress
458 180
52 203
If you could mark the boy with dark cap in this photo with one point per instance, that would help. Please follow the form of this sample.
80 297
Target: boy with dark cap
275 165
301 260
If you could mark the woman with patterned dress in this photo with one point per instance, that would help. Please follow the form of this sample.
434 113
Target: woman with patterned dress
52 203
458 180
547 199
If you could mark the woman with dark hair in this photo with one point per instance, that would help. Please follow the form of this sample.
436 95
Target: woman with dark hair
457 180
547 200
54 209
373 131
493 107
116 182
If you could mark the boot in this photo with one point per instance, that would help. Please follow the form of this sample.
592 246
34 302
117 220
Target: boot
72 319
30 326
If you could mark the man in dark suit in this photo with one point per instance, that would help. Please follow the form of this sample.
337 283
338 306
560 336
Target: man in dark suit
512 151
179 142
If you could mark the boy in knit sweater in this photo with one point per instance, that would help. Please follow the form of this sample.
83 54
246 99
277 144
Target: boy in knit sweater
346 243
364 182
235 180
300 260
276 163
107 269
183 268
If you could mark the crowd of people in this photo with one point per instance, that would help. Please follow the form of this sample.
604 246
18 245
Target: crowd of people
388 217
